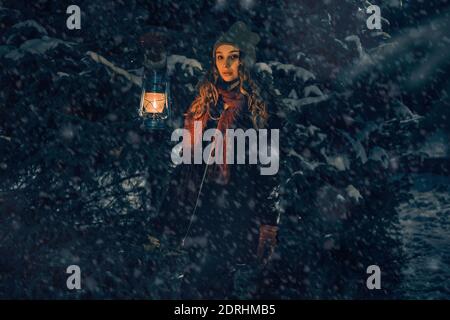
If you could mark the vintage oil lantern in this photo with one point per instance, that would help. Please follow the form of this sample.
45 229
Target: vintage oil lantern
155 102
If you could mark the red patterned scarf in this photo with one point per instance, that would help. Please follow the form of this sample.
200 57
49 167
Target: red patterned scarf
233 102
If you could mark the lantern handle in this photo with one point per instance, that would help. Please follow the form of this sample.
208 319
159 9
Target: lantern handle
191 220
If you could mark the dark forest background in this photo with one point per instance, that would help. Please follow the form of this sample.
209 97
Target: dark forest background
366 120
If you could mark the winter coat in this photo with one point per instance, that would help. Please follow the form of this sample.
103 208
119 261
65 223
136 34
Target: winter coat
228 216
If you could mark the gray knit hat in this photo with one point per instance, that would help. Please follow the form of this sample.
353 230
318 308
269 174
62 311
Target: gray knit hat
242 37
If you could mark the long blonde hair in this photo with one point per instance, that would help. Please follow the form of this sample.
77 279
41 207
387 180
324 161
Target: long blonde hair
208 96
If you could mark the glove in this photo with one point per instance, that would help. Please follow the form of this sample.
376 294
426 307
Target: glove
267 242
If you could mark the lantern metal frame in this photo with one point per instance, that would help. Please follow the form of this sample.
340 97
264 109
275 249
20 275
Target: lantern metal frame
154 83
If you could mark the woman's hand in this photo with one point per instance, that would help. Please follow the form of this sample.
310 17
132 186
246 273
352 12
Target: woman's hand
267 242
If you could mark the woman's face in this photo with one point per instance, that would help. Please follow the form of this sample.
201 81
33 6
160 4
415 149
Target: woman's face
227 62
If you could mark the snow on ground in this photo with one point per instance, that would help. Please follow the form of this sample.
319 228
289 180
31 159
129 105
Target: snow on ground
425 228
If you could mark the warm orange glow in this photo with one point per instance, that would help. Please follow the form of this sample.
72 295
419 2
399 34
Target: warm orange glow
154 102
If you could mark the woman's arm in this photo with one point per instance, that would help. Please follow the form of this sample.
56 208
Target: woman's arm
266 194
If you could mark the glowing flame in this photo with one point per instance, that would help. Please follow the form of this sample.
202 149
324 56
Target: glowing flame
154 102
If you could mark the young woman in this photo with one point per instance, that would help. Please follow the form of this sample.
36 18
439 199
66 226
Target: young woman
223 213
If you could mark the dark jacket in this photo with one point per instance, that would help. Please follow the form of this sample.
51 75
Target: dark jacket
227 217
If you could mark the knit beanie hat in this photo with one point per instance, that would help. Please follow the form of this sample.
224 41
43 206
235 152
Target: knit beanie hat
242 37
